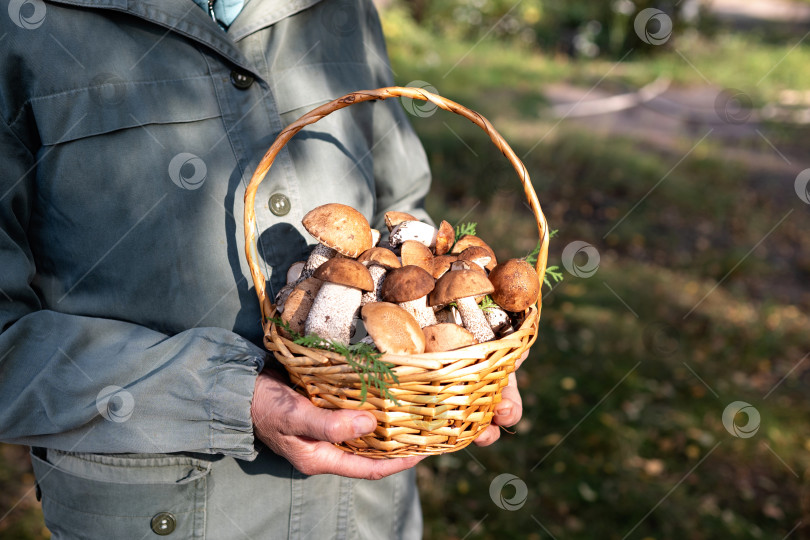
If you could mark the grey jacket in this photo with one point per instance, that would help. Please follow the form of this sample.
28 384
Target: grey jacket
128 132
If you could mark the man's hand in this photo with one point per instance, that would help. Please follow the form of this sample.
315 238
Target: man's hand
507 412
297 430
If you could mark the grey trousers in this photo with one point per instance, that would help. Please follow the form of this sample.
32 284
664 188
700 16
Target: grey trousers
139 496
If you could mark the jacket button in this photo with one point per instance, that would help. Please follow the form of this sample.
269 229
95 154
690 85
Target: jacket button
241 80
279 204
163 523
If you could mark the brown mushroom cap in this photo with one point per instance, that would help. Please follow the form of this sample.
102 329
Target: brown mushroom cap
471 240
459 284
393 329
392 218
406 284
516 285
476 254
441 264
339 227
416 254
447 337
381 257
444 238
346 272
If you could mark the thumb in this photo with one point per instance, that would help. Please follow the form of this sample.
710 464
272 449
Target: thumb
328 424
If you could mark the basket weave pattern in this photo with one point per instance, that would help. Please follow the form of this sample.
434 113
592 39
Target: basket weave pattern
445 400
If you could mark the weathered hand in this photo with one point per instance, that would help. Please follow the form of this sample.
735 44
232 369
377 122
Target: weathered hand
297 430
507 412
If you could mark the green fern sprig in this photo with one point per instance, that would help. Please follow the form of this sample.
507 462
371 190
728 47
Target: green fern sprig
364 359
487 304
465 228
552 272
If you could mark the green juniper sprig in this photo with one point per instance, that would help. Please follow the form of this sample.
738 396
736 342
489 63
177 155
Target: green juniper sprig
465 228
552 271
487 304
364 359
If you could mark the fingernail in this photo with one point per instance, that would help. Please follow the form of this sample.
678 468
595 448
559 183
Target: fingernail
504 411
363 425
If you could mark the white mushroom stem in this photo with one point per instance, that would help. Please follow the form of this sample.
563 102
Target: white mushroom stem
449 314
421 312
377 276
474 319
319 255
294 271
413 230
375 237
332 312
497 318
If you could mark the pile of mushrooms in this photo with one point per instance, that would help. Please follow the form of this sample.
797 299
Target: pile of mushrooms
420 292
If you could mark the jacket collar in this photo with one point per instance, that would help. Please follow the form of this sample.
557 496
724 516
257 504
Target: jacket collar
186 18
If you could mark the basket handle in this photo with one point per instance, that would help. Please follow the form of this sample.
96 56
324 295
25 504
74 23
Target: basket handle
352 98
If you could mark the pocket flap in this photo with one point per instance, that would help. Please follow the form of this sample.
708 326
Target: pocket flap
115 104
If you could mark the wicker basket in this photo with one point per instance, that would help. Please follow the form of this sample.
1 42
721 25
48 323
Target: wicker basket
445 399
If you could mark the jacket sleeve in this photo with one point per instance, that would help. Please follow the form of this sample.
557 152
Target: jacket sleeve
85 384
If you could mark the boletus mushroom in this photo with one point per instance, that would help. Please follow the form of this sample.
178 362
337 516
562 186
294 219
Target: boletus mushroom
378 260
447 337
408 287
338 229
393 329
516 285
338 299
439 240
461 287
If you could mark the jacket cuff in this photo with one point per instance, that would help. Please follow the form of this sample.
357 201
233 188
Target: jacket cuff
229 406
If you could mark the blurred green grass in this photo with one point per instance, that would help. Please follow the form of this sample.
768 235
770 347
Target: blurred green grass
625 389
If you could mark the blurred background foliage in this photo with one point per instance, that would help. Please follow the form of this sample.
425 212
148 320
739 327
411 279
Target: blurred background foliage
700 298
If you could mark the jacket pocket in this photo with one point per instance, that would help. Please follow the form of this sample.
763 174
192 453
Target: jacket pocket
111 104
121 496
